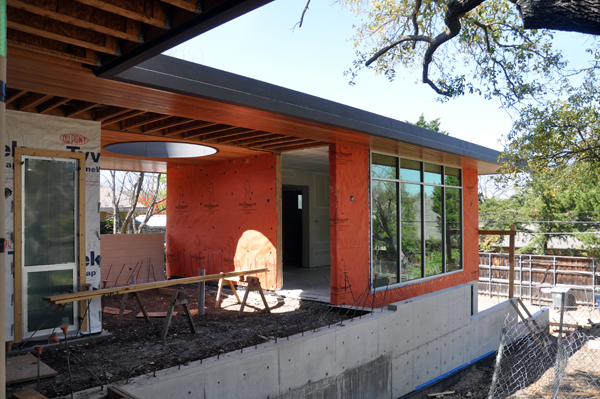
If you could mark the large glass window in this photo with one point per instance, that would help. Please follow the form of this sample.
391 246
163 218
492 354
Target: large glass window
416 220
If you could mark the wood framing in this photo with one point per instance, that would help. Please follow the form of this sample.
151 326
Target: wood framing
18 281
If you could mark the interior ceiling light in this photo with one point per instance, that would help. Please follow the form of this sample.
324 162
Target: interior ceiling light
161 149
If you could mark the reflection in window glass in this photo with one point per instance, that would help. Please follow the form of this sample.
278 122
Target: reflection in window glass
384 167
410 170
50 218
385 230
433 174
433 230
410 234
41 284
452 176
453 230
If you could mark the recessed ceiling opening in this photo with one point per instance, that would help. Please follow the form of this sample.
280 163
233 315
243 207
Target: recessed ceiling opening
161 149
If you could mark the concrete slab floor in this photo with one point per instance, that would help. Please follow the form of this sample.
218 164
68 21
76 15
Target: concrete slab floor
307 283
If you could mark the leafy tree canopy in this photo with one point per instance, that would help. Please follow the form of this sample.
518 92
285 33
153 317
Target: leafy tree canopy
433 124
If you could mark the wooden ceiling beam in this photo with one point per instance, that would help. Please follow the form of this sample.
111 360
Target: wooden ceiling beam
189 5
61 34
254 134
230 133
33 101
56 49
15 96
266 136
141 121
111 112
207 131
187 128
46 108
163 125
147 11
81 108
296 144
262 143
120 118
83 16
303 146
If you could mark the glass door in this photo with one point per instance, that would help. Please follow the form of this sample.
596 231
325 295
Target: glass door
50 239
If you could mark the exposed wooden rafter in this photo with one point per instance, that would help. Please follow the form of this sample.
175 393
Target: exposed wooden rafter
32 101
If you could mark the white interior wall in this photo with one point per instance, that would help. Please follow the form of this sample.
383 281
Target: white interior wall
24 129
318 207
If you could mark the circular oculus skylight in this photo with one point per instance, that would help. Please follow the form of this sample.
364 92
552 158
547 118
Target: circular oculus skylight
161 149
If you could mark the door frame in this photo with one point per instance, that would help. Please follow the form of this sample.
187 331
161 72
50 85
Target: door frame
18 231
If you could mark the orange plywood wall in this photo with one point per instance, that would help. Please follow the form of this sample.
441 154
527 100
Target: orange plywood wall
350 233
223 217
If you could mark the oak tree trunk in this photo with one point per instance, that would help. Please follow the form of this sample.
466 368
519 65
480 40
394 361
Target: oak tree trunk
568 15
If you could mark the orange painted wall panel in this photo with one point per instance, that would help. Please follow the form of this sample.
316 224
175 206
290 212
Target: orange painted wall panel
223 217
350 233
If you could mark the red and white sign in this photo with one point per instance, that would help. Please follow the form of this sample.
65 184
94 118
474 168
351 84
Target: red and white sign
74 138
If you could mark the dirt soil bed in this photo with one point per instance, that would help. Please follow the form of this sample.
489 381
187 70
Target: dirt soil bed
136 347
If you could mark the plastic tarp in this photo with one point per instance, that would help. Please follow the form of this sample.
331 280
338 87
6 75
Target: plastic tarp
223 217
31 130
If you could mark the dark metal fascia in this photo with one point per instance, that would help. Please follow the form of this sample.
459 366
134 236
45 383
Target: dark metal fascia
183 77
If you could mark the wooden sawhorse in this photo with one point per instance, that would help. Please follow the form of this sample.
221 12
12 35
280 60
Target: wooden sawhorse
253 285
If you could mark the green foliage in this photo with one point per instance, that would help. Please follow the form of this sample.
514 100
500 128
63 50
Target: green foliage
433 124
106 226
491 55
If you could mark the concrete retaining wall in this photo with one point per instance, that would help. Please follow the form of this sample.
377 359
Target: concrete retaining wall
385 355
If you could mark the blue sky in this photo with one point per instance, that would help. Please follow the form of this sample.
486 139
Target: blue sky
262 45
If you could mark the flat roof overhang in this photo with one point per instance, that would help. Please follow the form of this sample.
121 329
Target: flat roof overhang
338 123
165 87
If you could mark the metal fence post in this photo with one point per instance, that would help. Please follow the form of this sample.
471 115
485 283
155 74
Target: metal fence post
490 274
530 281
554 270
521 277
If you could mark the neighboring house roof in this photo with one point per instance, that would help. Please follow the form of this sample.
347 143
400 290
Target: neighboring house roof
106 203
155 221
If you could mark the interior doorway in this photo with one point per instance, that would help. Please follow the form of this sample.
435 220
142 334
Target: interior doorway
295 230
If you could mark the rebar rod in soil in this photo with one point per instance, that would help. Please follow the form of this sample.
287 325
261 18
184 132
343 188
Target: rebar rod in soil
87 307
133 271
387 286
117 280
301 327
148 278
65 330
283 328
41 325
84 365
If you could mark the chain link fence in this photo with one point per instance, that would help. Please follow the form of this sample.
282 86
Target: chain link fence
548 361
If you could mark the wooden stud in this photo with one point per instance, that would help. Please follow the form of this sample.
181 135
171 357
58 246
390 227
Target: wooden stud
53 104
206 131
81 108
511 259
68 13
122 117
141 121
278 194
15 96
172 122
188 5
112 112
191 126
123 9
33 101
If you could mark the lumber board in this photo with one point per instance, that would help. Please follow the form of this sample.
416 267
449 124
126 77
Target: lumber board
497 232
78 296
28 393
24 368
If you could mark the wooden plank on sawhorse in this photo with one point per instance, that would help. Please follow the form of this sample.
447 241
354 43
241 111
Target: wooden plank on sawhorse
178 298
138 299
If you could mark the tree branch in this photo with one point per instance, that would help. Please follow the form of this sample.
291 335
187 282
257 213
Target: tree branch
299 23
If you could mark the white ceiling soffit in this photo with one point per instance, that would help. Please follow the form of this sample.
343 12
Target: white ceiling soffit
312 159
